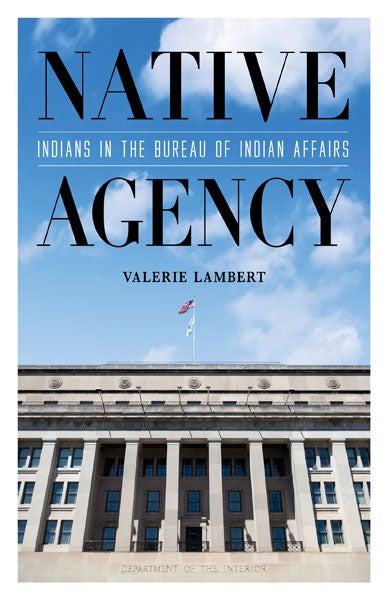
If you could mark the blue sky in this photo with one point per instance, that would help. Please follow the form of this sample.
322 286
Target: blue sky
74 303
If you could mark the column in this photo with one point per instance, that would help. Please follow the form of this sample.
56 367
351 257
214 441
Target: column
170 541
353 536
259 497
304 512
127 499
83 496
36 512
216 505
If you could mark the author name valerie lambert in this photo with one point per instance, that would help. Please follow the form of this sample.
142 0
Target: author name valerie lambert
196 276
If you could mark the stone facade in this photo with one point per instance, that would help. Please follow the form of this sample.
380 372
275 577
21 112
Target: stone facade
237 472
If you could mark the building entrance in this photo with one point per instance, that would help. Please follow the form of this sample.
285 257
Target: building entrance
193 539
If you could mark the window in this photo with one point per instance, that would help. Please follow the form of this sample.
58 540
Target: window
315 489
151 539
365 457
368 486
49 534
113 466
275 502
234 501
108 539
279 542
187 467
201 467
236 539
35 457
77 457
148 467
120 466
239 467
22 457
226 467
194 502
233 467
56 496
71 492
352 457
267 467
161 467
366 531
153 501
63 457
278 467
27 492
310 457
321 527
336 528
65 532
112 501
21 531
359 491
324 456
330 493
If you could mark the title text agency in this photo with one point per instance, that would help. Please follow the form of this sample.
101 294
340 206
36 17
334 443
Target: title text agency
210 188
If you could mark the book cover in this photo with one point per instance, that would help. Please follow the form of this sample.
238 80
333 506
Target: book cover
219 161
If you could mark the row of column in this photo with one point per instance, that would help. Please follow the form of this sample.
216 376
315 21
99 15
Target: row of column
304 512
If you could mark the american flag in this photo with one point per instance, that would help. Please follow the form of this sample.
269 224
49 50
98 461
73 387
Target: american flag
187 305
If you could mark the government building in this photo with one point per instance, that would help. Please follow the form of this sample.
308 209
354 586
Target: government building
194 472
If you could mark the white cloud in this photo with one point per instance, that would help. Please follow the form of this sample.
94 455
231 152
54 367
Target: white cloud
295 325
350 35
65 34
161 355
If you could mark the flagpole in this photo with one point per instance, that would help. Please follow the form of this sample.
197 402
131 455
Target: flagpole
194 329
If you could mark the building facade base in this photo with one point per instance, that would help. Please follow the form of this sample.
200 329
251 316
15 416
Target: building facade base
193 567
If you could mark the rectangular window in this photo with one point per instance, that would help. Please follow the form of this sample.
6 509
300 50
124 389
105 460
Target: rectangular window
109 467
161 467
27 492
365 457
201 467
278 467
324 456
187 467
77 457
234 501
63 457
310 457
120 466
35 457
22 457
236 539
108 539
153 501
65 532
279 543
194 502
315 489
336 528
239 467
56 496
321 527
112 501
49 534
151 539
148 467
359 491
71 492
226 467
275 502
330 492
21 530
352 457
267 467
366 531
